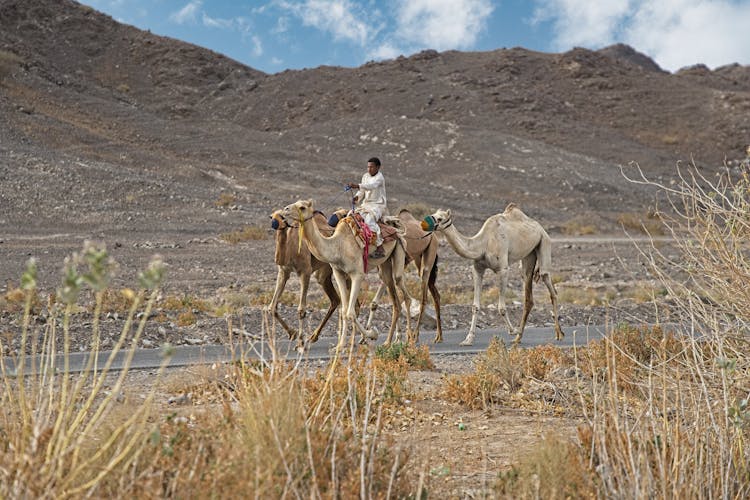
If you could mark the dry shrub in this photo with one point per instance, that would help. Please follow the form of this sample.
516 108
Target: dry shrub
263 429
539 361
648 223
632 350
578 226
580 296
64 434
185 303
119 301
247 233
226 200
494 369
553 470
417 357
669 416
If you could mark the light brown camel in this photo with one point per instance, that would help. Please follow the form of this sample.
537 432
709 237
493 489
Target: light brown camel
343 253
422 249
503 239
291 257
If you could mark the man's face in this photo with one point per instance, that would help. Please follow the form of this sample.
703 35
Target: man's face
372 169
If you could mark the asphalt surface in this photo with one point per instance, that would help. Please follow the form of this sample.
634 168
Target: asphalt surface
179 356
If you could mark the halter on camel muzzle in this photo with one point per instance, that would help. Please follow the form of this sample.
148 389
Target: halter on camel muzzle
333 220
428 224
276 222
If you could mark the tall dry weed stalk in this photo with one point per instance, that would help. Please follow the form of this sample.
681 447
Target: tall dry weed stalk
272 428
64 434
678 426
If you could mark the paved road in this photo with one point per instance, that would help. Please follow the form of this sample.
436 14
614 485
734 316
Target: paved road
192 355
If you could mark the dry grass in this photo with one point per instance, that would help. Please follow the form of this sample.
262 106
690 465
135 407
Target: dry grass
578 226
493 370
226 200
267 429
647 223
247 233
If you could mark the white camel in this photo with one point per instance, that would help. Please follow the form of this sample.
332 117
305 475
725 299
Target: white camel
343 253
503 239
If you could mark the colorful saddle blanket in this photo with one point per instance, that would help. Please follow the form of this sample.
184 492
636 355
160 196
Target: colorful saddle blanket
363 233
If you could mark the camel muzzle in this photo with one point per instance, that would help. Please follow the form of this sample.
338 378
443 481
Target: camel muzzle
428 223
333 220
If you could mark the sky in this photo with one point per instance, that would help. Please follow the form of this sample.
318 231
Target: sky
274 35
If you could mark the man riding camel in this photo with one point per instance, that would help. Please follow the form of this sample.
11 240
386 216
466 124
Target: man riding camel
371 193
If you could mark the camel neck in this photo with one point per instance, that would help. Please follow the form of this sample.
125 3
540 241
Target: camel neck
319 245
467 247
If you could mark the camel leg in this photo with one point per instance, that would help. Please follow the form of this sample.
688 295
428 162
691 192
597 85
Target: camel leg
281 278
501 308
528 297
414 335
436 301
352 309
553 297
374 305
400 283
304 280
478 277
386 275
340 277
334 299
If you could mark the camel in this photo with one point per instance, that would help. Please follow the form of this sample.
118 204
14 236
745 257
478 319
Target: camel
291 257
421 248
503 239
343 253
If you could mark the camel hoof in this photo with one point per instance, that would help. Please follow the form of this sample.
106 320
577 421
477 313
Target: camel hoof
438 340
466 342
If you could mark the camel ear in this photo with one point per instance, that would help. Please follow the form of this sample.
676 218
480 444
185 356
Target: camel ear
448 212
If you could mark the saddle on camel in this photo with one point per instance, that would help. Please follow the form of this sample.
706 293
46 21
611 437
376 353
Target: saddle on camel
390 230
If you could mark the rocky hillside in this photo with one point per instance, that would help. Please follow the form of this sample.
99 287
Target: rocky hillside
109 127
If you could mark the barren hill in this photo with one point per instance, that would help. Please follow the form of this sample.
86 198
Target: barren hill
112 129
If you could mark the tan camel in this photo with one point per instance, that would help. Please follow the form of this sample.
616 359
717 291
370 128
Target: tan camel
503 239
344 254
421 248
291 257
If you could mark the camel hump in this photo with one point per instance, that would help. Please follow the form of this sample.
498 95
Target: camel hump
405 215
512 212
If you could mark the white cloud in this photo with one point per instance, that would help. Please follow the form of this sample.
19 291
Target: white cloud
213 22
675 33
441 24
257 46
337 17
187 14
384 51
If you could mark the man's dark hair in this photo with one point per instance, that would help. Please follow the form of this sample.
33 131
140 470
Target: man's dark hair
374 160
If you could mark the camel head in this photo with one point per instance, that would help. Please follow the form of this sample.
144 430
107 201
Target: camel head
277 221
300 210
437 221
